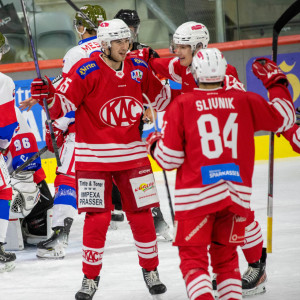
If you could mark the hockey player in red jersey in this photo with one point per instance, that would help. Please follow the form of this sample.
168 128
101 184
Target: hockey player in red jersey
208 135
293 134
108 104
131 18
187 39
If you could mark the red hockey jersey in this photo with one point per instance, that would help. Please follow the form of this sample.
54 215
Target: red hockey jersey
108 106
172 69
293 136
209 136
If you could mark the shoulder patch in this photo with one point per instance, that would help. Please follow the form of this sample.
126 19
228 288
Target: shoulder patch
139 62
86 69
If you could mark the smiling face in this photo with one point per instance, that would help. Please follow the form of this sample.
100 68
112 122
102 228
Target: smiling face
118 49
185 54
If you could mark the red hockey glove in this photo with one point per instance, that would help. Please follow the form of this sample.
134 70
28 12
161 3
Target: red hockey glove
42 88
268 72
59 137
151 140
144 54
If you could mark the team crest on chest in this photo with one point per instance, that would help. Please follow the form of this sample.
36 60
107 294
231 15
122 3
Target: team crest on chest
121 111
137 75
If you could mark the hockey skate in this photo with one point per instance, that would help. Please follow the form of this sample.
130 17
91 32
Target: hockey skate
54 247
116 216
161 227
88 288
255 277
155 286
7 260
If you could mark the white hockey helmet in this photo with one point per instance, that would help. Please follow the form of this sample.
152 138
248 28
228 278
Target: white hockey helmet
209 66
190 33
112 30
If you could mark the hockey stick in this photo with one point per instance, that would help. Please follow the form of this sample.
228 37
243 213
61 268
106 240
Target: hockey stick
75 7
29 161
164 172
289 14
38 72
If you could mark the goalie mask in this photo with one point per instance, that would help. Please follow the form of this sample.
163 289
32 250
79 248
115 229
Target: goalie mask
4 46
209 66
112 30
96 13
131 18
26 193
190 33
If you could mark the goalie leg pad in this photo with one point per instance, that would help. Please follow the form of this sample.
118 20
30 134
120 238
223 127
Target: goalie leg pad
26 193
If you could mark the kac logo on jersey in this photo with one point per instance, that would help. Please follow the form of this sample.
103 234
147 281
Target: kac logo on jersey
121 111
137 75
139 62
86 69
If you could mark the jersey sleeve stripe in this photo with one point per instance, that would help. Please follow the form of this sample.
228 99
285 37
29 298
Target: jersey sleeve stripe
177 78
286 111
163 99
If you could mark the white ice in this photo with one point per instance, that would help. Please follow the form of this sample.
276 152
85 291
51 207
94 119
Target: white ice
121 276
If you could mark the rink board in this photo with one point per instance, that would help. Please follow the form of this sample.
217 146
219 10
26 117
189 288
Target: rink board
282 150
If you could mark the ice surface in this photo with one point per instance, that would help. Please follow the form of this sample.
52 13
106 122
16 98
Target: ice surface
121 276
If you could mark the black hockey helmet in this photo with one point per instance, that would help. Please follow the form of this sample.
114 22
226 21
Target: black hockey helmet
130 17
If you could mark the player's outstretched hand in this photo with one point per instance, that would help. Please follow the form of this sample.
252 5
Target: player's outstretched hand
42 88
151 140
28 103
268 72
59 137
144 54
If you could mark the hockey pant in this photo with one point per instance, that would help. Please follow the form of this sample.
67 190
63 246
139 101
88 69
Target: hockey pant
94 235
223 231
252 248
5 197
64 204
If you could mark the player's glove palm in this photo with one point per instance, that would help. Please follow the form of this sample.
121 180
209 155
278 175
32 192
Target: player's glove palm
42 88
59 137
151 140
268 72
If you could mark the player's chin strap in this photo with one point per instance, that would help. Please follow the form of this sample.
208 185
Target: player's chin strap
109 55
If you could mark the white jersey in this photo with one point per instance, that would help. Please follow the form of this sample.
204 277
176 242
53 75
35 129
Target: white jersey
84 49
8 123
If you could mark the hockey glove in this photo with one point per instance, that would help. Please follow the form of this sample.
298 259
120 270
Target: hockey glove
268 72
144 54
59 137
151 141
42 88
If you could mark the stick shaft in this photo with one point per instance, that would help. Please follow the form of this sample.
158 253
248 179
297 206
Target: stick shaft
38 72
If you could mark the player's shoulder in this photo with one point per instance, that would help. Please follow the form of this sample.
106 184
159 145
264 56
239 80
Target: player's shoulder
137 62
4 79
74 51
86 66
